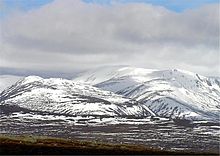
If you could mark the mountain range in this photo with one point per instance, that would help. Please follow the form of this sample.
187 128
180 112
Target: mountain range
119 91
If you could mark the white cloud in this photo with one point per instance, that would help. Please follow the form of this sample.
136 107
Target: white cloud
68 35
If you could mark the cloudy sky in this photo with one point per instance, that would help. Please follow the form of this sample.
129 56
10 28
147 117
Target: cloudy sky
61 37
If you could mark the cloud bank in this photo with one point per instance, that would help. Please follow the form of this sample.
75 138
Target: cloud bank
68 35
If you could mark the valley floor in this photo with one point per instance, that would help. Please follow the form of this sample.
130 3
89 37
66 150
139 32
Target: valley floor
104 136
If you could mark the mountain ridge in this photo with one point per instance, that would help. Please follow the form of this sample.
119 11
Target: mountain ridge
168 93
66 97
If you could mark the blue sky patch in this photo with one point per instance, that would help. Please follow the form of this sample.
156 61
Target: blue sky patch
8 6
174 5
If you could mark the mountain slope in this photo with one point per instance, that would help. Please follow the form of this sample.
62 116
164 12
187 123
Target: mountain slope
8 80
168 93
60 96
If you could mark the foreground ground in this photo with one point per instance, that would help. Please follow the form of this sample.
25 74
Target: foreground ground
49 145
104 135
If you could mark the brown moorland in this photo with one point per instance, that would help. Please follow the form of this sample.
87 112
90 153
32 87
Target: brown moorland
48 145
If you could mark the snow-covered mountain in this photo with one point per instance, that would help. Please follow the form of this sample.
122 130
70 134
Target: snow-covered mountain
168 93
60 96
118 91
8 80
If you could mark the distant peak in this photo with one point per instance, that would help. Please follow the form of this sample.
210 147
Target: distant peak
137 70
183 71
30 79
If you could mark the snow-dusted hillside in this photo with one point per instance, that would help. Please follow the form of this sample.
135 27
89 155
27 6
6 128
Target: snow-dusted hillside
168 93
66 97
8 80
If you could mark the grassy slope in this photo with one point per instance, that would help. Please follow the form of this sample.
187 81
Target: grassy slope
47 145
